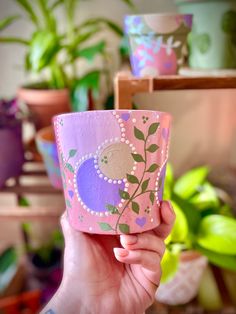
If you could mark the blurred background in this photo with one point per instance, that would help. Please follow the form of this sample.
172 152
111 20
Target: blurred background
76 48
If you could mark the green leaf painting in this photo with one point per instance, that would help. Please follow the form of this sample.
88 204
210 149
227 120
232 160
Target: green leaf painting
69 167
132 179
152 168
135 207
152 197
145 185
105 226
124 195
152 148
112 209
138 157
72 153
139 134
68 204
124 228
153 127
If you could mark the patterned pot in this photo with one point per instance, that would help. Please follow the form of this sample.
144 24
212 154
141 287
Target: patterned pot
156 42
212 42
47 147
113 166
184 286
11 152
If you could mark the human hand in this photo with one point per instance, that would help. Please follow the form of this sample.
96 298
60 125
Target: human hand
111 274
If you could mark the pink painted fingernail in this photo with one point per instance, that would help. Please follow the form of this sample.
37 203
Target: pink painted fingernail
129 239
121 252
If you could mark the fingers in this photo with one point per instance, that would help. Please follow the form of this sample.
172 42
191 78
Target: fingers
148 259
143 241
167 220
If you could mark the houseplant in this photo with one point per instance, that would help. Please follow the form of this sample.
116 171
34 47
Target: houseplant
212 41
204 224
53 56
11 145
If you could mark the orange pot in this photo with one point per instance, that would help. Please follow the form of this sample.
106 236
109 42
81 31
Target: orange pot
45 103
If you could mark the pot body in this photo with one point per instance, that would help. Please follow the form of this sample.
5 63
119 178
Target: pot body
212 42
156 42
113 168
11 151
44 104
47 147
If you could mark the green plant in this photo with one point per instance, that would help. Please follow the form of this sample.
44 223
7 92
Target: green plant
203 222
54 54
8 266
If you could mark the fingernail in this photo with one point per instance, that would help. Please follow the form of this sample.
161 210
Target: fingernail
121 252
129 239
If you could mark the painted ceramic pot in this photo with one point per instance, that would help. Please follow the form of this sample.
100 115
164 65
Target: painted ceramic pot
212 42
11 152
47 147
156 42
184 286
113 168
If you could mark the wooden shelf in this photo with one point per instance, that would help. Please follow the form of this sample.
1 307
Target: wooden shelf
126 85
18 188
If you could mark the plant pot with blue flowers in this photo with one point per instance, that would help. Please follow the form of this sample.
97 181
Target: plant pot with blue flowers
212 42
11 145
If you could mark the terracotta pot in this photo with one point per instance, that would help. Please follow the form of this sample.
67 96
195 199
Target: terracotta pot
44 104
183 287
47 147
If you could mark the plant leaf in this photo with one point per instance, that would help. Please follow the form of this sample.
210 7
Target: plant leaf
206 198
105 226
152 168
153 127
89 53
129 3
112 209
124 195
152 148
104 21
152 197
69 167
72 153
169 182
188 184
139 134
138 158
124 228
221 260
179 232
8 21
7 259
23 202
135 207
29 10
132 179
218 234
145 185
169 265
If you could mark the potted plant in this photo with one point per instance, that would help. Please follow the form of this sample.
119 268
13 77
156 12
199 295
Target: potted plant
53 56
11 145
212 42
205 229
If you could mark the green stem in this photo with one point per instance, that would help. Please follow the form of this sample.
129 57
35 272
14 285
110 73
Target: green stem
14 40
148 191
133 195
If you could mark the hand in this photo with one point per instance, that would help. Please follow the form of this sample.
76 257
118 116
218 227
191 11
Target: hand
111 274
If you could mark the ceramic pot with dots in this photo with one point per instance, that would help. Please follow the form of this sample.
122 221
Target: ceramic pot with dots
113 168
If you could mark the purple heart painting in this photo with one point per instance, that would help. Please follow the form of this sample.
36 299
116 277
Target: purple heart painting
111 164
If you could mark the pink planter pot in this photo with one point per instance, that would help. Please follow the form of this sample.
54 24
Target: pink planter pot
156 42
47 147
11 152
185 284
113 168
